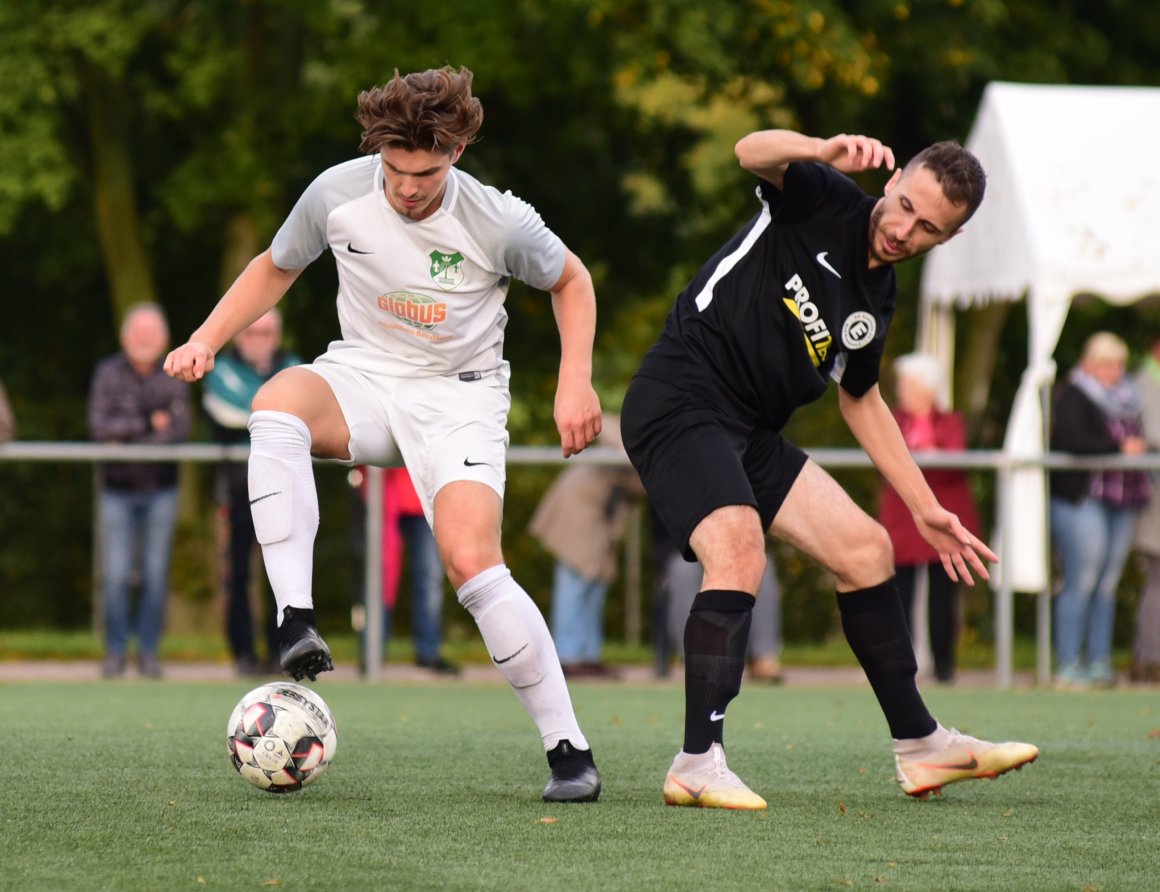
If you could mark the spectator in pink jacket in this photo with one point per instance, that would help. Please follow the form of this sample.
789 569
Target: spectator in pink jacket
928 426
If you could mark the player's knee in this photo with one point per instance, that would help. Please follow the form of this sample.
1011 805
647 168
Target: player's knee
867 561
735 569
733 557
464 560
265 399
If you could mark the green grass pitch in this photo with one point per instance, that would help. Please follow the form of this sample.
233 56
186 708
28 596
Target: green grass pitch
436 786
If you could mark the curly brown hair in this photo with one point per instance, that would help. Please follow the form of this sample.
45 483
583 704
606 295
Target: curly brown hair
430 111
960 174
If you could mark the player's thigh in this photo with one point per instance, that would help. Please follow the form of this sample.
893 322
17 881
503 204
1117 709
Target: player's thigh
307 395
453 437
689 460
451 431
820 519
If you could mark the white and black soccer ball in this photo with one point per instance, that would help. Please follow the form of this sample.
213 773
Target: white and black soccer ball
281 736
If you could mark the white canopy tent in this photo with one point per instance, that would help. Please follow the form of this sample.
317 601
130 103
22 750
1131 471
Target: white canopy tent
1072 207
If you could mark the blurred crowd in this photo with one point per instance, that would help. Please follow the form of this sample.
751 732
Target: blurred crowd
1098 520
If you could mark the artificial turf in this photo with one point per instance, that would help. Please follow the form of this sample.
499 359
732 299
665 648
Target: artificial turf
436 785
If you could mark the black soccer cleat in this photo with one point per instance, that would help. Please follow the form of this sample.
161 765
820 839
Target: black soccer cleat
574 775
302 652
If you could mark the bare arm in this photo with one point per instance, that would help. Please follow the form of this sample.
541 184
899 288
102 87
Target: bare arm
577 408
767 153
869 418
260 286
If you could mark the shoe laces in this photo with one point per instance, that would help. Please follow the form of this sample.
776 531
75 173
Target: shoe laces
958 738
720 770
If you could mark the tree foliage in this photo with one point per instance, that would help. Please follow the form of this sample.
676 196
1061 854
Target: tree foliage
151 146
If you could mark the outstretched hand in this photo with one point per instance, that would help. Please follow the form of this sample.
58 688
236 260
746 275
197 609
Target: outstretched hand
189 362
850 153
577 414
959 549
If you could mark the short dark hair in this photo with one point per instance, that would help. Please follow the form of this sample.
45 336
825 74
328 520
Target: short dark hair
430 111
960 174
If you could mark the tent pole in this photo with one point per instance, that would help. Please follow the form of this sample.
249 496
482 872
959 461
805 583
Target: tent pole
1043 599
1004 607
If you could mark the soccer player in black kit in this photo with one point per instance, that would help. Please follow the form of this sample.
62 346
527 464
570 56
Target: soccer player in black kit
802 294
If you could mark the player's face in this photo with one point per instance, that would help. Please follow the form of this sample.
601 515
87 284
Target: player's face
911 218
415 180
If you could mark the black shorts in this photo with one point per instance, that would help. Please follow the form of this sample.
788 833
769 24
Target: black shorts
694 459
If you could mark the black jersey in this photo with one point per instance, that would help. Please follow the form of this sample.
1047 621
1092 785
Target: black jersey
784 306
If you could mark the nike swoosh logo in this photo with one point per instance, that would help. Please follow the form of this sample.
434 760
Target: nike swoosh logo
716 716
473 464
696 794
353 250
266 496
962 766
500 662
821 258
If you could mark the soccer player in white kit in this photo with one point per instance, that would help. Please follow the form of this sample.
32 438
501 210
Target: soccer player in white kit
425 254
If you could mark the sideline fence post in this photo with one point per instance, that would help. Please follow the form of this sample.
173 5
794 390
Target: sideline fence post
373 575
1004 608
632 574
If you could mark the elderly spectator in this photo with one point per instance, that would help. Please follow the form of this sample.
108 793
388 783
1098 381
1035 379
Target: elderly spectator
1096 411
132 400
927 426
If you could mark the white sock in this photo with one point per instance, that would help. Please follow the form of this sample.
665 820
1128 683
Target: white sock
522 649
284 504
937 739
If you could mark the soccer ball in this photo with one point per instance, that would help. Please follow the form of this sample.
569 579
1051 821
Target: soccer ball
281 737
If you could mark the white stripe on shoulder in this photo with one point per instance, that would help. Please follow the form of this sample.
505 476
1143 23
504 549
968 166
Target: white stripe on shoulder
705 297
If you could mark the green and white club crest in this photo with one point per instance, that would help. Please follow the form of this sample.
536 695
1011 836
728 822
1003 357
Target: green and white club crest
447 269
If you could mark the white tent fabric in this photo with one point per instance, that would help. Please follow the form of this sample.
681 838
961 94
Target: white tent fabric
1072 207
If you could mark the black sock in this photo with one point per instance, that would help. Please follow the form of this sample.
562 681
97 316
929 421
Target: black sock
875 626
716 635
298 615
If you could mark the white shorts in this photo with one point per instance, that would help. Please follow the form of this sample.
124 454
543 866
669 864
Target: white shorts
445 428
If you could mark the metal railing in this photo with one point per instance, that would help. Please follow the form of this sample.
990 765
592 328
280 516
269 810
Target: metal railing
1000 463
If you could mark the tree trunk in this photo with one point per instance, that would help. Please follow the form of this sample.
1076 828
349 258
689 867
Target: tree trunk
114 196
977 366
240 247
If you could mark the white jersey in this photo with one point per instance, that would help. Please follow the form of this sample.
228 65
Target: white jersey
418 298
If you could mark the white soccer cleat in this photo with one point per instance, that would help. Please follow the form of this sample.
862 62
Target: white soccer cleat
959 757
705 781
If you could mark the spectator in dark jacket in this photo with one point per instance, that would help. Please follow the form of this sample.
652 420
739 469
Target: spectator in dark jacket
927 426
1095 411
133 401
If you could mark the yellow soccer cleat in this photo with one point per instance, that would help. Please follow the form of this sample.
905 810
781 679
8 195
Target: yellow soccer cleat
959 758
705 781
